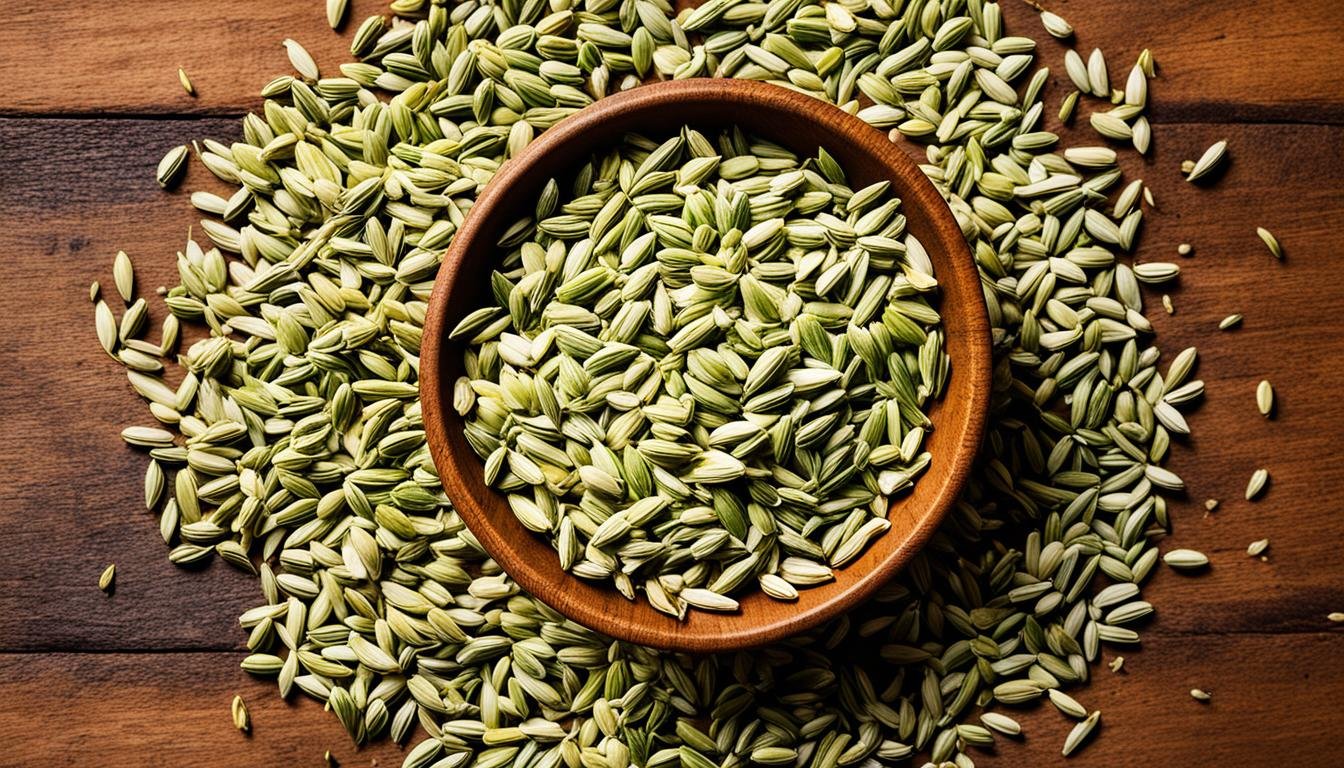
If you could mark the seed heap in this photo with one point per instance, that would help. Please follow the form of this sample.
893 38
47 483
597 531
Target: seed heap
302 456
706 366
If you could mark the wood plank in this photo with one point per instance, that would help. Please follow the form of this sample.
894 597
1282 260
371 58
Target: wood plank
69 497
1238 60
1274 703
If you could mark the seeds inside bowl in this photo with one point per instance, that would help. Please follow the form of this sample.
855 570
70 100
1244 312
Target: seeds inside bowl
706 368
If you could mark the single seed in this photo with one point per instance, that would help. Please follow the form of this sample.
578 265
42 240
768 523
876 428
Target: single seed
1184 249
1167 305
171 166
241 719
336 12
1210 161
1056 25
1200 695
107 580
123 275
1080 733
1117 664
1258 547
1231 321
1271 242
1264 398
186 82
300 59
1210 504
1336 616
1185 559
1256 486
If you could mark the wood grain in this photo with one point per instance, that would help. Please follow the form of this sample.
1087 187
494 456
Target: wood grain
170 710
1231 60
76 190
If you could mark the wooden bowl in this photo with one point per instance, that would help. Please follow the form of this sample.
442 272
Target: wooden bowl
802 124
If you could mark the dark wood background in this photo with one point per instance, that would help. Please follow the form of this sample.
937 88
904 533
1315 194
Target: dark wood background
145 677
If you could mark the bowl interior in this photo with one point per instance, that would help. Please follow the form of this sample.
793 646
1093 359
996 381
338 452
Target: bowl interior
802 124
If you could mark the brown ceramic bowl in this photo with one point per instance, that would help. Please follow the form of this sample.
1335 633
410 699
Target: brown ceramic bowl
802 124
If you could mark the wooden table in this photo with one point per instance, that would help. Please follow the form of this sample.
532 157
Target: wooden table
145 677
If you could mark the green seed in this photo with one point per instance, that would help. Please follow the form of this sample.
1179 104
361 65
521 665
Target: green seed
305 401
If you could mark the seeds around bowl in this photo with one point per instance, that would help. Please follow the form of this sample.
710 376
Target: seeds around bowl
707 363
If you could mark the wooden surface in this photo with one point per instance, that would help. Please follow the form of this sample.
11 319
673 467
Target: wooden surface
798 122
144 678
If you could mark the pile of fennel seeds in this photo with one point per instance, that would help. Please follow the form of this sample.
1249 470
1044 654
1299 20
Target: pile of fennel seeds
705 368
294 447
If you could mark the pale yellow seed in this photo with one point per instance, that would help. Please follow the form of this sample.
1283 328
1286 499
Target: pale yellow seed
241 719
1210 504
1264 398
186 82
1271 242
108 579
1336 616
1257 547
123 275
1185 249
1200 695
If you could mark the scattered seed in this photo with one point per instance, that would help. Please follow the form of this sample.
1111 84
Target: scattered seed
1117 664
1185 559
123 274
300 59
336 12
1207 163
1056 25
1271 242
1257 548
1184 249
1066 704
1259 478
241 719
1080 733
1200 695
1337 616
186 82
171 166
1167 305
107 581
1231 321
1210 504
1264 398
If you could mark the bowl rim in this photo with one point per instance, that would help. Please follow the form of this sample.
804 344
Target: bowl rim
576 599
